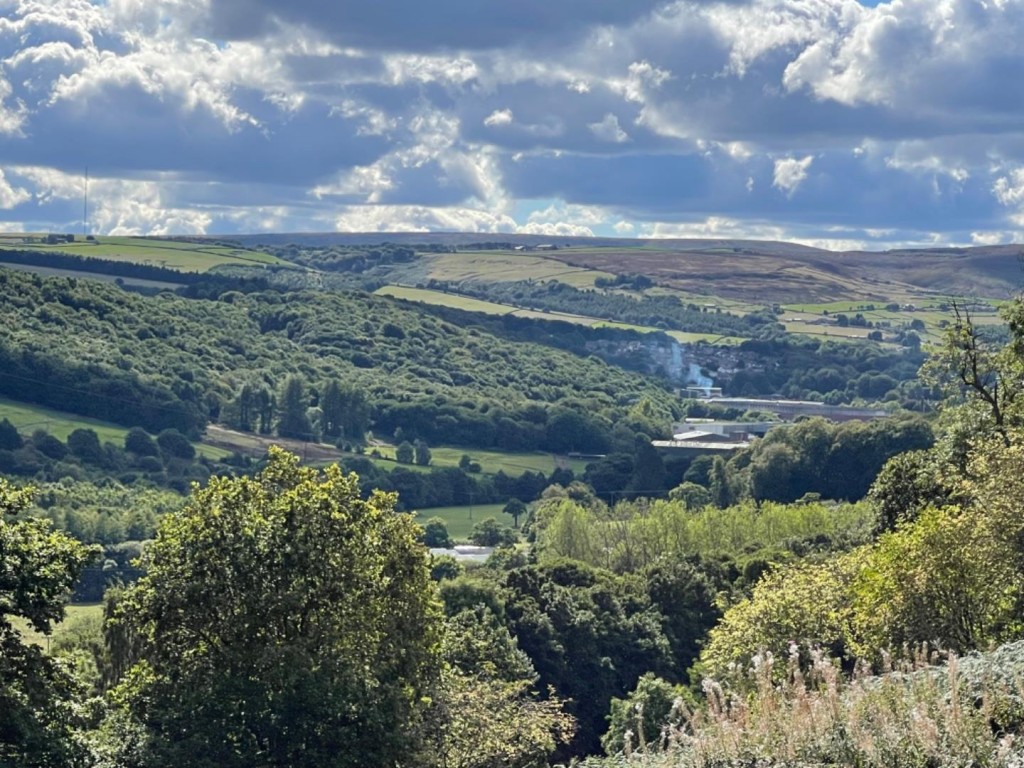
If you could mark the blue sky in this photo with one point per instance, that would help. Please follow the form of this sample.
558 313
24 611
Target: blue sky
836 123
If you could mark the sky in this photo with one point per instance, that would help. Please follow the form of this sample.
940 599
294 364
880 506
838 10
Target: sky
835 123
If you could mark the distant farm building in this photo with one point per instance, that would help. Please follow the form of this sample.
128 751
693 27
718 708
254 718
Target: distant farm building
696 437
790 409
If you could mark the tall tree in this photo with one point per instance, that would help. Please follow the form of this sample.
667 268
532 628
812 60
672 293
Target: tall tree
282 621
723 490
346 410
292 420
37 570
333 410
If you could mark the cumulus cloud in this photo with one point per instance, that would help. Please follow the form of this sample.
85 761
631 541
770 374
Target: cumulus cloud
608 129
418 218
11 196
221 115
498 117
443 24
790 173
1009 189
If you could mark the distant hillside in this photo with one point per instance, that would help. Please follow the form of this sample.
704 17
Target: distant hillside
745 270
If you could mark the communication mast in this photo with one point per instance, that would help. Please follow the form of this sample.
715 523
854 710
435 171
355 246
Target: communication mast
85 205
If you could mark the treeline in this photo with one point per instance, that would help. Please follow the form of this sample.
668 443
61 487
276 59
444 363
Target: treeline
166 361
621 347
96 265
100 392
449 486
835 372
339 259
168 460
666 312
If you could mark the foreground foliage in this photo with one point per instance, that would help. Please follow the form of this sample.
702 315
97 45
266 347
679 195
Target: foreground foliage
969 712
282 621
39 697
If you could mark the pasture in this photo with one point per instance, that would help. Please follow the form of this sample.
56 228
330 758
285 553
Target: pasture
491 462
460 520
507 266
169 254
75 616
28 418
455 301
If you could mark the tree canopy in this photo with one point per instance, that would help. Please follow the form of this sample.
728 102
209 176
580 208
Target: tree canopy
38 695
283 621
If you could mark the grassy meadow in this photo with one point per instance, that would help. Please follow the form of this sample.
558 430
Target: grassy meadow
170 254
460 520
508 266
77 614
491 462
28 418
455 301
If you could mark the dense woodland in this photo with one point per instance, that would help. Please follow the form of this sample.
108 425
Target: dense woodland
649 611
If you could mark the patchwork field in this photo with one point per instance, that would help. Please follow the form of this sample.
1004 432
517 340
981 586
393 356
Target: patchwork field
765 272
170 254
500 266
60 424
456 301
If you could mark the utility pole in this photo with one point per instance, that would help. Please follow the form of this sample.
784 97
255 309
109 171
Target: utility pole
85 205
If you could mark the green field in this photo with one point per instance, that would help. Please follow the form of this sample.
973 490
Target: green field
74 615
169 254
444 299
507 266
460 520
29 418
491 462
440 298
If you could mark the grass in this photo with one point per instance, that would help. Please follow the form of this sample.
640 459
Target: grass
73 614
491 462
779 714
508 266
440 298
28 418
170 254
460 520
83 275
445 300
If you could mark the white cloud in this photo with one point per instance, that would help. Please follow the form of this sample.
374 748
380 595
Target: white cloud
417 218
608 129
560 219
1009 189
11 196
12 115
695 110
790 173
498 117
995 238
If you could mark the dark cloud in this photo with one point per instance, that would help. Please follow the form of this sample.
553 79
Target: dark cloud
816 116
399 25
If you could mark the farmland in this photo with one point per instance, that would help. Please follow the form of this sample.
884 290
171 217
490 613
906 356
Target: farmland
469 304
178 255
76 617
28 418
460 520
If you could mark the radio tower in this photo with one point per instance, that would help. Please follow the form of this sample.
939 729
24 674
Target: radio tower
85 205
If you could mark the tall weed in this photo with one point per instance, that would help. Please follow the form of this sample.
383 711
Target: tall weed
966 712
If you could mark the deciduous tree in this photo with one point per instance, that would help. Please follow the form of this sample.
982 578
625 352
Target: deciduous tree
38 567
283 621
